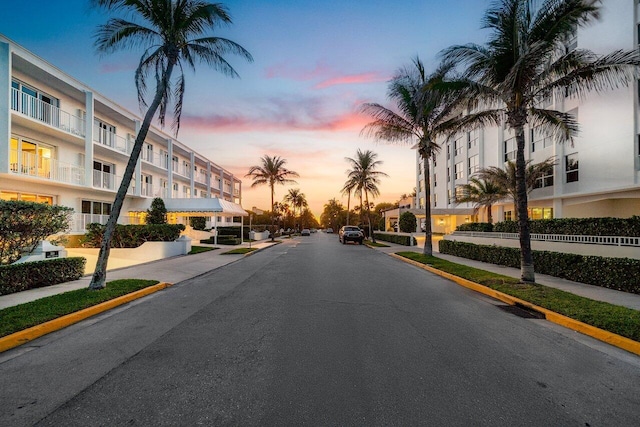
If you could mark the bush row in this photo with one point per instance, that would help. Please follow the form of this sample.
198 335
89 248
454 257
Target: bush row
37 274
614 273
395 238
223 240
572 226
132 236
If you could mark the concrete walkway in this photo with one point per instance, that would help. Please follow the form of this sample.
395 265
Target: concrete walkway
172 270
178 269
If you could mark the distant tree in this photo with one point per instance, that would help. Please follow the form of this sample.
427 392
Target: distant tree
332 214
408 222
483 193
271 172
157 212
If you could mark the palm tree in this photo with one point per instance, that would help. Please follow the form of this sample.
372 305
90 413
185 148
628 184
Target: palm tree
271 172
482 193
421 118
348 188
506 178
297 199
366 178
175 33
525 61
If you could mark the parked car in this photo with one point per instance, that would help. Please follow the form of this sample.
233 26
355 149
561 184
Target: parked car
350 233
329 230
305 232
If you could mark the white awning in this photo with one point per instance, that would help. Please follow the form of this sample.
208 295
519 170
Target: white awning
204 207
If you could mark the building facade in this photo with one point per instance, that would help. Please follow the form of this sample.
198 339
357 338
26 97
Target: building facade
63 143
596 176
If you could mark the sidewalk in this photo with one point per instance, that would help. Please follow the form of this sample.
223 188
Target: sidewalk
172 270
597 293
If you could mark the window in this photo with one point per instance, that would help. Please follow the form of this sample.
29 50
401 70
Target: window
473 165
571 167
508 216
34 103
174 191
147 152
39 198
540 138
510 149
103 175
460 192
186 192
472 138
164 159
544 181
422 203
435 199
459 170
30 157
540 213
147 185
448 151
457 145
448 174
435 180
105 133
449 196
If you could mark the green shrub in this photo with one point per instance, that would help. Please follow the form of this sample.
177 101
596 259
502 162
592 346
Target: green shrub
37 274
485 227
408 222
629 227
157 212
24 224
615 273
132 236
397 239
198 222
223 240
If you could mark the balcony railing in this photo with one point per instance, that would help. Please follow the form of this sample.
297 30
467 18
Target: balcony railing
104 180
110 139
155 159
46 168
53 116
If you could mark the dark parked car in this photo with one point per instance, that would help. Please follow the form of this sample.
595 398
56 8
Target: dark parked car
350 233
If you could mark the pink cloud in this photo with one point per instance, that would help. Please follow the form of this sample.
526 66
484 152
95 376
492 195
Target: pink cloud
351 79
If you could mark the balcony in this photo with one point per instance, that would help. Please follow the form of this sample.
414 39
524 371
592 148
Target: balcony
46 113
29 164
155 159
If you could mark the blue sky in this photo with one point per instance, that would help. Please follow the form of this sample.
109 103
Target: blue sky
315 63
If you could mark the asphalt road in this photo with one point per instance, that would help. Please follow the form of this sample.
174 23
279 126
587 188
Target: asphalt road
312 332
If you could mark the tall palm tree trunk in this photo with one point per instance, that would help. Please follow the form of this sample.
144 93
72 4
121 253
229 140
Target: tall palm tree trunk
373 237
98 281
428 232
526 256
348 207
273 213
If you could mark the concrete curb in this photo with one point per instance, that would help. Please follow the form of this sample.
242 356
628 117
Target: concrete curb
575 325
18 338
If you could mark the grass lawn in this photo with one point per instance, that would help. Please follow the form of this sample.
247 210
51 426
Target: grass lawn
200 249
238 251
613 318
33 313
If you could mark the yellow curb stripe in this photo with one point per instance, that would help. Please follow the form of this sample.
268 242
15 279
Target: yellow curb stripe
26 335
559 319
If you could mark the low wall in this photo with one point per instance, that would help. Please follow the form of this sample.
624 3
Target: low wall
125 257
569 248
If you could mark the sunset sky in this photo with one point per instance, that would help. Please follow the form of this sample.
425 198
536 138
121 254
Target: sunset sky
315 63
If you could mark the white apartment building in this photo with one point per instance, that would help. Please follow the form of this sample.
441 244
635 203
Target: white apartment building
63 143
597 176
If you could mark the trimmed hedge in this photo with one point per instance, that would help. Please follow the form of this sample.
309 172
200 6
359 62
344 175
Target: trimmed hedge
38 274
132 236
615 273
223 240
629 227
395 238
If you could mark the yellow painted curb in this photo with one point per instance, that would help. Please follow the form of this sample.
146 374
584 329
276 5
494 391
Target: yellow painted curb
597 333
18 338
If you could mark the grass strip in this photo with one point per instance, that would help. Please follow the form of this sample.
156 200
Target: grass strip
613 318
238 251
375 244
199 249
23 316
